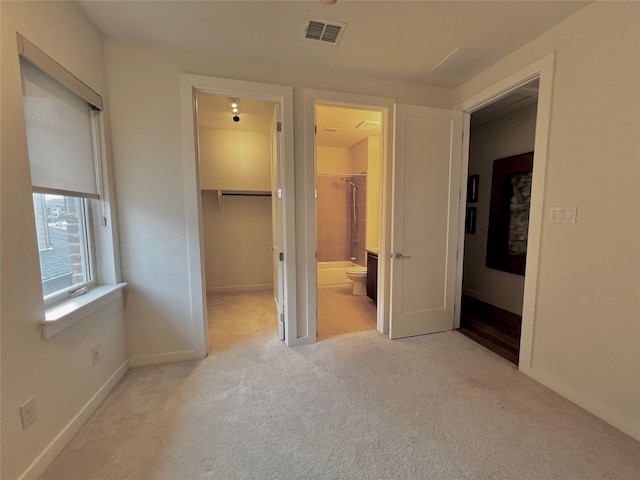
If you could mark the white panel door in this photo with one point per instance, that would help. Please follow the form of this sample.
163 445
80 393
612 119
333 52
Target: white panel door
277 222
426 200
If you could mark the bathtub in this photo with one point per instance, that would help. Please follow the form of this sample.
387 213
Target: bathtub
334 273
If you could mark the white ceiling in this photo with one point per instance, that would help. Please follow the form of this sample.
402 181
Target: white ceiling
344 121
399 40
214 111
519 98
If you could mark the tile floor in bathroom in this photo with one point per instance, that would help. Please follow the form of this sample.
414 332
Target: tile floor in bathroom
341 312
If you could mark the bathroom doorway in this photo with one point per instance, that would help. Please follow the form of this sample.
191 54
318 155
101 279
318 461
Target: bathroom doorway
348 218
500 168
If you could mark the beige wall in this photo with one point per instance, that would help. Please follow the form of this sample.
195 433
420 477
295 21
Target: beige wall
359 154
333 222
237 237
57 371
374 190
586 332
232 160
587 322
333 219
144 84
237 229
360 164
335 231
586 285
503 137
333 160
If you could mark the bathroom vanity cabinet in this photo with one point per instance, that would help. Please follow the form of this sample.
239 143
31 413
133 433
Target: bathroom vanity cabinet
372 276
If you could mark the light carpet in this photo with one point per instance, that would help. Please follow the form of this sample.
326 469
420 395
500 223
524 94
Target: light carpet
358 406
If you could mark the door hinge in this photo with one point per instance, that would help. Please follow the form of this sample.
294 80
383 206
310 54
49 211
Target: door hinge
103 221
282 317
281 256
315 129
279 126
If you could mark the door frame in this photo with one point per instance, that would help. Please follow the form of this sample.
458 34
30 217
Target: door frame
543 70
190 85
387 108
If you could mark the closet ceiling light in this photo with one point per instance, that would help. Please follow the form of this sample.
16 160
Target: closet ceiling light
235 109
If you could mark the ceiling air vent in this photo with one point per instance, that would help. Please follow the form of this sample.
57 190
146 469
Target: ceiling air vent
324 30
368 125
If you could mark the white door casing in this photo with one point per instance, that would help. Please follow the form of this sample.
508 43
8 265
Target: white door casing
276 222
542 69
426 199
309 278
282 95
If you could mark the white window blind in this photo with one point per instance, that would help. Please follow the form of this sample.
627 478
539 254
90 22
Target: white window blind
59 136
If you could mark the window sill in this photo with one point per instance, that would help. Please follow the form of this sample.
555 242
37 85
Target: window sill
64 314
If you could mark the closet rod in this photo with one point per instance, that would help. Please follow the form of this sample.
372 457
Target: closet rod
341 174
240 193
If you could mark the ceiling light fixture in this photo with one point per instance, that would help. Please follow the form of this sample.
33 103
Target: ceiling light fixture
235 109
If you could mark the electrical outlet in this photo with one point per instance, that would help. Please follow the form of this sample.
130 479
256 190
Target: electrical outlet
95 354
28 413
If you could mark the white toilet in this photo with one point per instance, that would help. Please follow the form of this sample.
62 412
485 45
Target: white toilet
359 277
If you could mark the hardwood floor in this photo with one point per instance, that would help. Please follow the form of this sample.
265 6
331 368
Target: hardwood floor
492 327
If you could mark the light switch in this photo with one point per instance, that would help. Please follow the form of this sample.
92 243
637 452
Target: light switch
563 214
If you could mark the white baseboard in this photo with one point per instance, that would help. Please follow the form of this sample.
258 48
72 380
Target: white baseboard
297 342
39 465
612 417
239 288
500 303
157 358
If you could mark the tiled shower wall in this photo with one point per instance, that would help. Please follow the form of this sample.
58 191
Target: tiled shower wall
334 219
338 240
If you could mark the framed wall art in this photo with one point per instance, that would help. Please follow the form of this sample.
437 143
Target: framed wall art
470 221
509 213
472 188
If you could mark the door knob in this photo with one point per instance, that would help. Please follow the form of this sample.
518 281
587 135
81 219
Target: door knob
399 255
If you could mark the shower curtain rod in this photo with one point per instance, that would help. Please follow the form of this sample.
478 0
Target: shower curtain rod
341 174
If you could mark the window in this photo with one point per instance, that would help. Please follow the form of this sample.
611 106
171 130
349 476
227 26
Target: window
61 124
64 244
70 180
